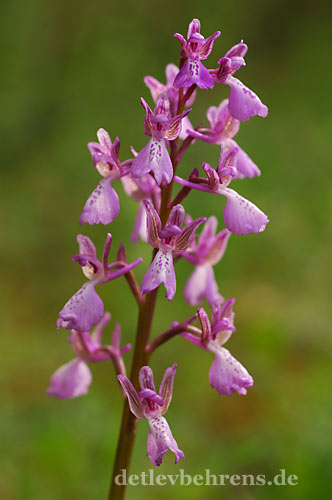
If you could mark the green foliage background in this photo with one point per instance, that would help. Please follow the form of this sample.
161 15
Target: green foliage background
69 68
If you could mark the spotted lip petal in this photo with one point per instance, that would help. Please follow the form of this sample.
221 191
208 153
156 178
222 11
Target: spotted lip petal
154 156
202 284
243 102
193 72
241 216
83 310
160 439
227 375
160 271
102 205
70 380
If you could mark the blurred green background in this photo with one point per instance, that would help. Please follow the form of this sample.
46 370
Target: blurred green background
69 68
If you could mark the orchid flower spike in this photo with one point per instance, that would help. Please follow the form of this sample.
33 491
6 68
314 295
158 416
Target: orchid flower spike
241 216
74 378
147 403
226 374
103 203
204 255
243 102
168 240
223 127
196 48
161 126
85 308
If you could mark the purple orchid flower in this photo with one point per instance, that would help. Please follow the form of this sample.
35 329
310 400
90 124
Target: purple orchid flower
196 48
141 189
204 255
243 102
226 374
168 240
156 88
223 127
161 126
150 405
74 378
103 203
240 215
85 308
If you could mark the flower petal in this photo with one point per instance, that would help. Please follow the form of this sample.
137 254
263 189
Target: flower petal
245 166
183 240
97 333
102 205
70 380
160 439
218 247
148 117
194 291
171 71
83 310
154 156
146 378
160 271
175 126
207 235
153 224
240 215
104 139
135 404
208 45
243 102
194 27
86 246
186 125
154 86
202 284
227 375
176 217
193 72
212 175
238 50
166 387
139 226
205 325
152 396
